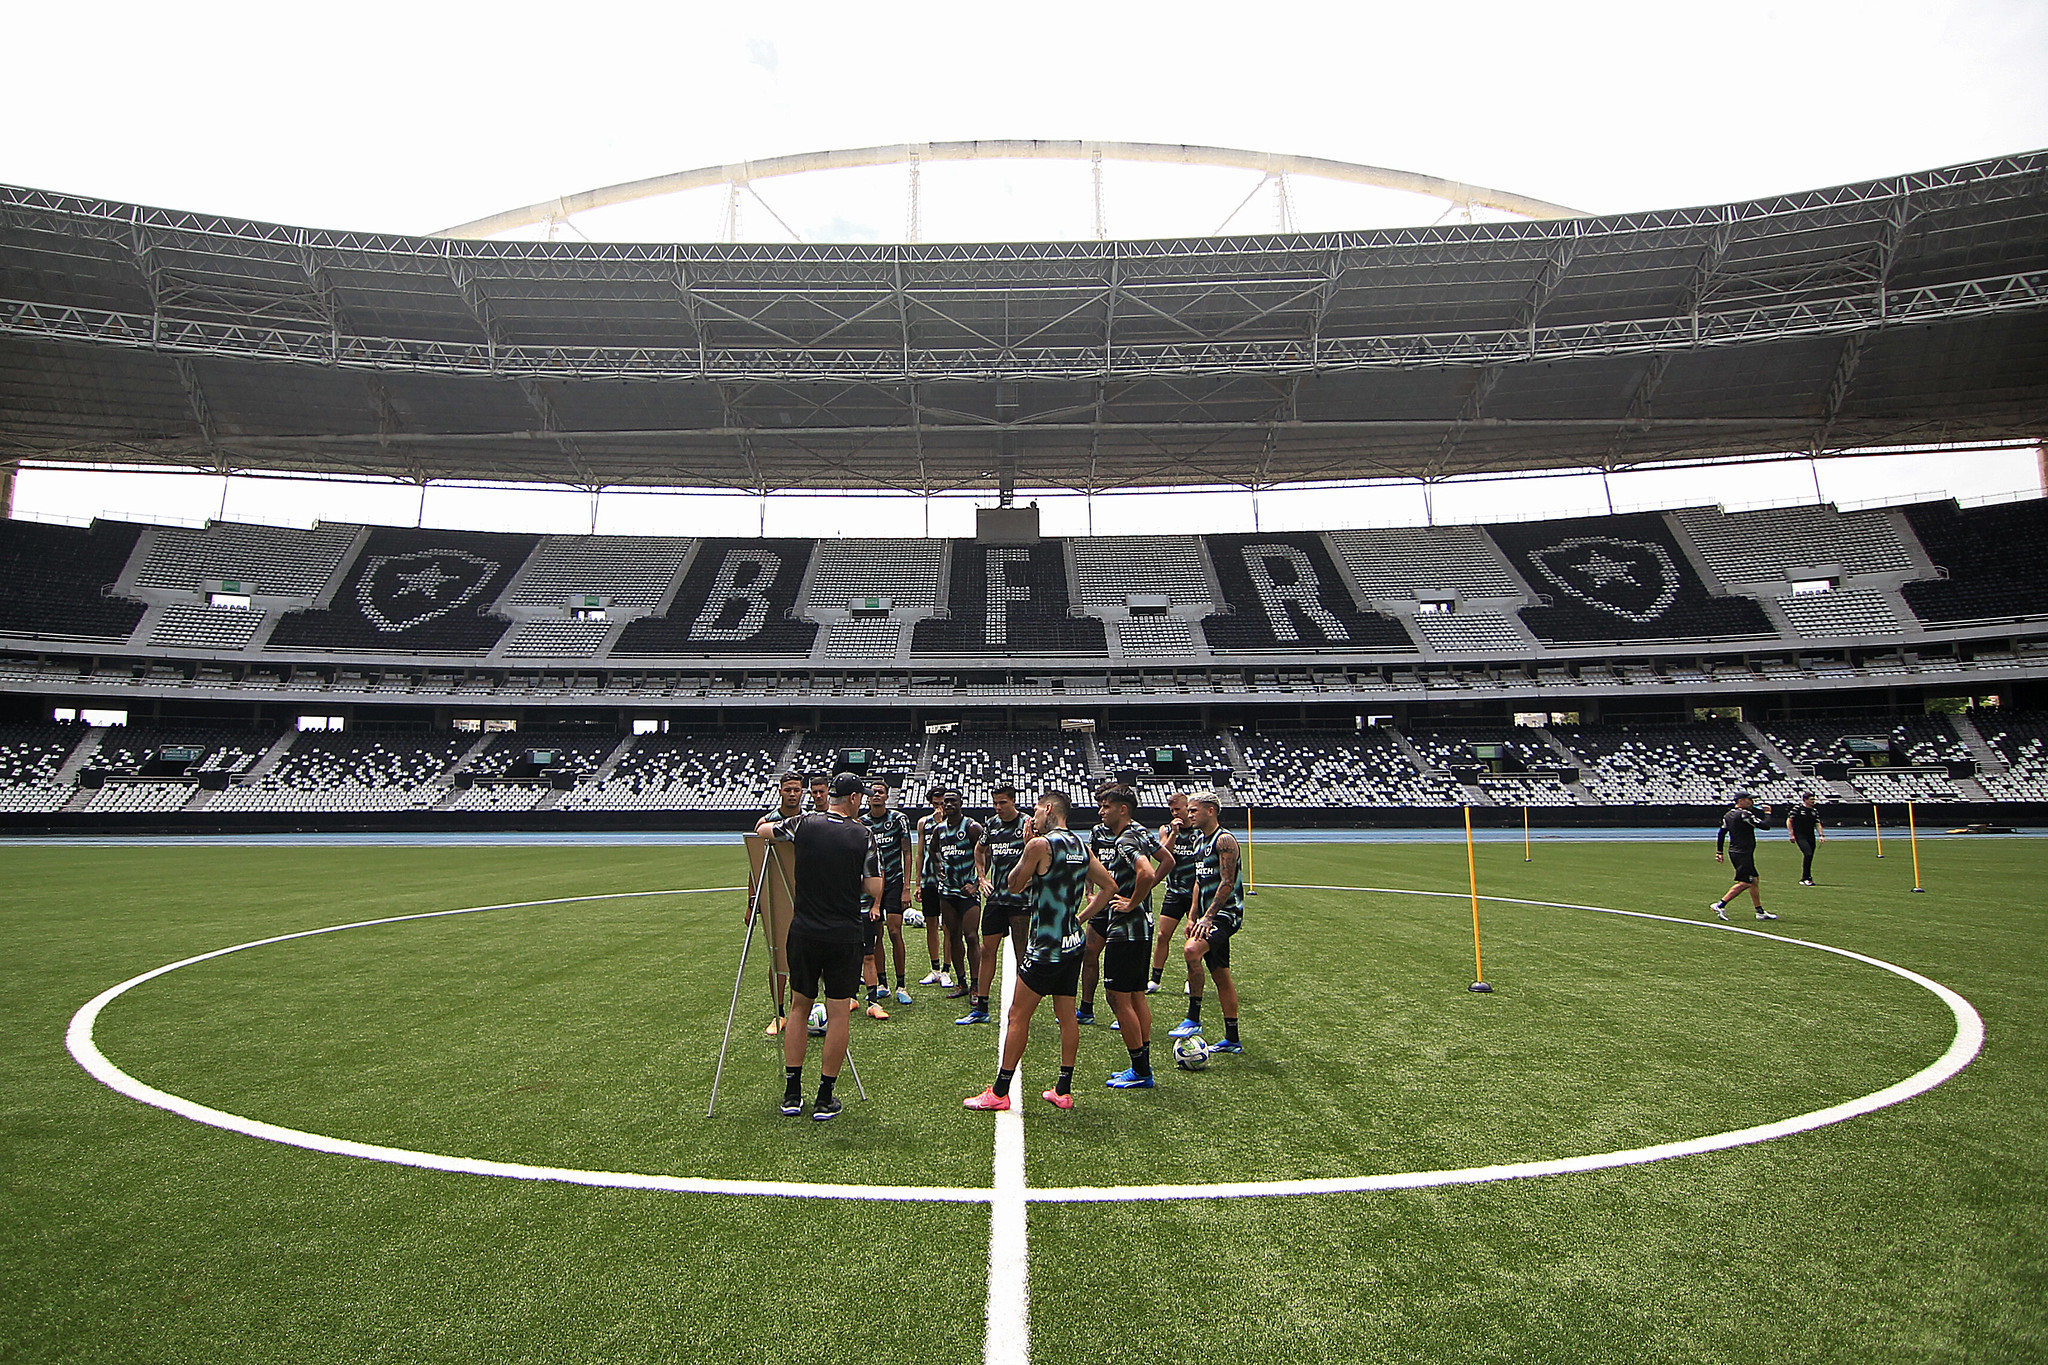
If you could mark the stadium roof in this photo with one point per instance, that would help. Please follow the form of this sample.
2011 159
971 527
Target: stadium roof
1911 309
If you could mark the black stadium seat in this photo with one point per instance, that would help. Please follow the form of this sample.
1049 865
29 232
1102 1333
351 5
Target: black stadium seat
414 591
1996 557
735 599
54 576
1011 599
1619 578
1285 593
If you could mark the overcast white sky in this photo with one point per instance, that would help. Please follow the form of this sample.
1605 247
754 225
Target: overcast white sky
411 117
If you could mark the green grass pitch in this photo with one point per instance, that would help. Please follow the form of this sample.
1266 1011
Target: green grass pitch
583 1035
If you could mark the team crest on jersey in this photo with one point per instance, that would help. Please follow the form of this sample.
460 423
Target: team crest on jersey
1632 579
398 592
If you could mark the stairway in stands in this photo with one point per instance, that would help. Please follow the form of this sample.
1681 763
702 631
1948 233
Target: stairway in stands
1474 793
1989 760
1581 793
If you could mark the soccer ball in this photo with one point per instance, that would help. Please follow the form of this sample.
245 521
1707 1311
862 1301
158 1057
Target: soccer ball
913 919
1190 1053
818 1021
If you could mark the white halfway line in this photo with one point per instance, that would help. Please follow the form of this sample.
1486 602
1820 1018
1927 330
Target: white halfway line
1968 1041
1008 1341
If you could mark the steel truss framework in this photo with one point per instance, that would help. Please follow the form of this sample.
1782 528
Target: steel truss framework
1913 308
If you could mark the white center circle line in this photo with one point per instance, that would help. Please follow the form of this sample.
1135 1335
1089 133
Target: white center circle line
1967 1043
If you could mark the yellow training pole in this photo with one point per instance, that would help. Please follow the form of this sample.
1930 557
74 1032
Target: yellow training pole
1251 881
1472 867
1913 833
1877 824
1525 831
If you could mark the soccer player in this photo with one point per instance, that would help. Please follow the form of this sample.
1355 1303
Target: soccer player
960 859
1802 827
893 835
926 892
1738 836
1179 837
1214 920
836 869
819 800
1056 869
1129 851
790 802
1003 910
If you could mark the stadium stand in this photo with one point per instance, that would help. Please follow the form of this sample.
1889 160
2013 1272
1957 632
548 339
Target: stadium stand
182 625
1155 637
819 751
1704 764
1759 547
1454 748
1840 612
57 578
275 561
1123 750
1996 558
556 638
1392 564
1904 786
717 770
2022 742
737 598
414 591
1930 740
133 748
1012 599
30 757
1325 769
581 754
628 571
853 639
1807 742
1284 592
907 572
1619 578
1035 761
1109 569
330 771
1469 632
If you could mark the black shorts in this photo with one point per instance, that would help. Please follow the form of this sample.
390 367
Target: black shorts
1053 978
1218 956
1745 866
997 916
892 898
813 961
966 907
1175 905
1126 966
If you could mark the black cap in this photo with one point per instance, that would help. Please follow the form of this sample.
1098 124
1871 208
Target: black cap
1745 796
848 784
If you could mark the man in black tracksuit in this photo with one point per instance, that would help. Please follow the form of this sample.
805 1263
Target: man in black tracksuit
1802 826
1737 839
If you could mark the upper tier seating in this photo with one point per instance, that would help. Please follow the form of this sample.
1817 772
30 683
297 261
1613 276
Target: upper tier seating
1619 578
1470 632
1009 599
414 591
1033 761
736 599
906 572
1758 547
1822 614
1704 763
1285 593
1392 564
1109 569
1155 637
556 639
631 571
851 638
2022 741
185 625
1337 768
55 576
275 561
719 770
330 771
1996 557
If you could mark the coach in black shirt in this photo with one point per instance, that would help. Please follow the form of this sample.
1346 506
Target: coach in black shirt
838 885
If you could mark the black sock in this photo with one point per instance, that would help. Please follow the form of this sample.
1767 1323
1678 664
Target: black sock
1195 1008
1065 1084
935 964
825 1084
1003 1078
1157 972
980 1002
1229 1029
1088 1003
793 1080
1141 1060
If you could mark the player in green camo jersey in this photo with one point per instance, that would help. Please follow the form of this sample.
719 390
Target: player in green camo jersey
1056 869
894 835
1179 837
925 893
1002 914
961 861
1216 918
1134 858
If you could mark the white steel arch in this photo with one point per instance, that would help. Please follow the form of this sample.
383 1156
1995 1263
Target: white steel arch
913 154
